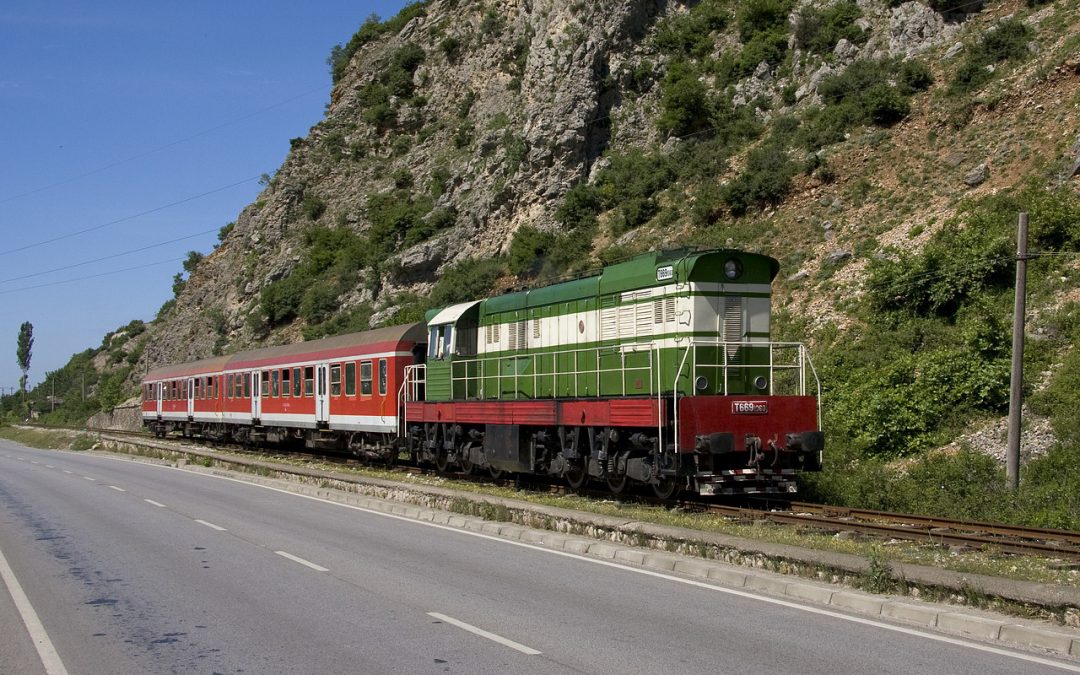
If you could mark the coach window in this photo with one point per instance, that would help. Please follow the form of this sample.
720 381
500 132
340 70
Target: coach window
382 377
297 382
350 378
274 375
286 387
309 380
217 387
229 386
246 377
365 378
265 388
335 379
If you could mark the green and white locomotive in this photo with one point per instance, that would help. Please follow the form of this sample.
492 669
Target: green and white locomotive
658 370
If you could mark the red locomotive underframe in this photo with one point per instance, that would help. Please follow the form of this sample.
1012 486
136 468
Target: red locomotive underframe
698 415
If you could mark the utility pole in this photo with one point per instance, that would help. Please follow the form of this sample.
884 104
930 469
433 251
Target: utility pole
1016 401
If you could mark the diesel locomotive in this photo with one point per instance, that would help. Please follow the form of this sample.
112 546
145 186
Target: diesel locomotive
657 371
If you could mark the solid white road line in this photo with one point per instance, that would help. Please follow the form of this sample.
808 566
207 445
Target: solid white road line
210 525
305 563
44 646
506 642
157 504
118 489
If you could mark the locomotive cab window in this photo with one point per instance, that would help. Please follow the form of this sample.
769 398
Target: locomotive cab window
440 341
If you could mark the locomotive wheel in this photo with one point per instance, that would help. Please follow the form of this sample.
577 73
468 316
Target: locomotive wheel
577 476
442 461
466 462
666 487
618 484
495 473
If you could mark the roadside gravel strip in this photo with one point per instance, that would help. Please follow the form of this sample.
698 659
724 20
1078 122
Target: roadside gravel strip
423 502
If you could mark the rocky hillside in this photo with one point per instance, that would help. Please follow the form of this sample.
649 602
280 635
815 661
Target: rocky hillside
456 124
879 149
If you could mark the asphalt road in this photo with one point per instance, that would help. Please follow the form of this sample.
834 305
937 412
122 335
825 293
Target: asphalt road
133 567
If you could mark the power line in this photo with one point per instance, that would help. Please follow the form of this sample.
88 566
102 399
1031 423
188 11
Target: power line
108 257
91 276
152 151
126 218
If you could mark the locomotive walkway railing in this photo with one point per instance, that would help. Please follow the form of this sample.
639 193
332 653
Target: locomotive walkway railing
701 367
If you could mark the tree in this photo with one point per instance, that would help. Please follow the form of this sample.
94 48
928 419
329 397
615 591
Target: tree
26 343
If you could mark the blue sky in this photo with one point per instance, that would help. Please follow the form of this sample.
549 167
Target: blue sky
111 109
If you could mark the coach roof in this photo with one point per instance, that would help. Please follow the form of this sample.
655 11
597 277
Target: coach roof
209 366
391 338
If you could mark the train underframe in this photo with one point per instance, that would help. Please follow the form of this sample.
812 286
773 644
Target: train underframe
620 457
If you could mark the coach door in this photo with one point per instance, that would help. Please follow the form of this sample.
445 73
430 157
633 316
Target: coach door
322 393
256 396
191 399
158 394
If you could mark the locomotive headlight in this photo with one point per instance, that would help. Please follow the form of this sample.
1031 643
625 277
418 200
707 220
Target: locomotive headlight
761 383
702 383
732 269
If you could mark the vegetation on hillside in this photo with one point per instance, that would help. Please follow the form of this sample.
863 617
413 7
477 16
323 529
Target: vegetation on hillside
925 356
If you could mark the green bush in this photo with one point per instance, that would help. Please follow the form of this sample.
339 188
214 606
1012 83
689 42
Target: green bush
765 179
914 76
469 279
818 30
692 34
372 29
312 206
1007 41
685 105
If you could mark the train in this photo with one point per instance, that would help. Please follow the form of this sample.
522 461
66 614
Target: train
657 372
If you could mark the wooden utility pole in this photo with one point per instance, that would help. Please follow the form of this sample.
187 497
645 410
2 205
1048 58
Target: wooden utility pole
1016 393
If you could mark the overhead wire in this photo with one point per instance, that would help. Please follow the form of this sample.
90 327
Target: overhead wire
102 226
91 276
108 257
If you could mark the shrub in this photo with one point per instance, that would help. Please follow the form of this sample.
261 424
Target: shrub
466 280
818 30
766 179
312 206
691 34
684 102
372 29
225 230
914 76
1007 41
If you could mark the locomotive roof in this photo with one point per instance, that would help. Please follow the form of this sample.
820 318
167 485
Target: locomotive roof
340 345
641 271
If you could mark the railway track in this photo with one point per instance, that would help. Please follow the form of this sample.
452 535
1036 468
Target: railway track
989 537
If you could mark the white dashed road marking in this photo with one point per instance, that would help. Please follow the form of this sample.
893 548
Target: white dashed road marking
506 642
118 489
157 504
210 525
306 563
